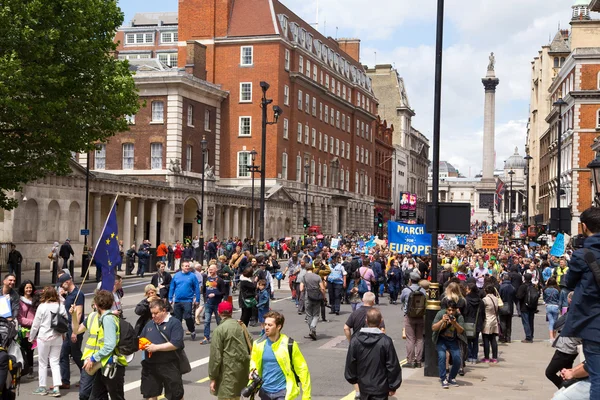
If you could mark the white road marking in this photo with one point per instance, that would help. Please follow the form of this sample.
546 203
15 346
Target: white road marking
137 384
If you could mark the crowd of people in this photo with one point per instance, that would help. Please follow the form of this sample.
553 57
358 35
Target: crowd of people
481 291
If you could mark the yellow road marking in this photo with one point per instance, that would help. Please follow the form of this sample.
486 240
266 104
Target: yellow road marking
203 380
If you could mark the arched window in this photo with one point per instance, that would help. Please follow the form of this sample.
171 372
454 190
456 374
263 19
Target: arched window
556 62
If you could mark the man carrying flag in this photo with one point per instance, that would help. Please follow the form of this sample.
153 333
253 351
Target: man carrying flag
108 255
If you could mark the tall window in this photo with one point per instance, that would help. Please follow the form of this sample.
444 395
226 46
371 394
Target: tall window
337 147
320 141
306 134
190 116
188 158
314 137
246 56
286 95
357 153
341 179
300 100
298 169
319 175
315 72
331 143
343 149
245 126
307 103
347 180
207 120
326 114
299 132
325 175
321 111
301 64
356 186
128 156
158 111
287 60
245 92
100 157
337 119
156 150
284 166
314 107
367 132
286 128
312 172
308 68
244 160
348 127
325 143
598 119
347 151
343 122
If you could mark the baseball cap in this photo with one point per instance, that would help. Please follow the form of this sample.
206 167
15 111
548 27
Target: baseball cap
64 278
225 307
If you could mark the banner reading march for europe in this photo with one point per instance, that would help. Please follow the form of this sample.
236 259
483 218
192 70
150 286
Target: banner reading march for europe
403 238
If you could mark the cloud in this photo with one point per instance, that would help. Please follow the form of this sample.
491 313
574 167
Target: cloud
514 30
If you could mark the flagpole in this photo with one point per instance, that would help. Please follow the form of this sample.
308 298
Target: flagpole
95 248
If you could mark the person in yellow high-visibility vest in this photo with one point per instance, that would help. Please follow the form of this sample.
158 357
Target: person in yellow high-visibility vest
99 352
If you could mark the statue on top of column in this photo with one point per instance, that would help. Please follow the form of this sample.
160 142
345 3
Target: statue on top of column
492 62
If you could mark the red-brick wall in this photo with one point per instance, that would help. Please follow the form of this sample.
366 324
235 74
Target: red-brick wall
193 135
589 76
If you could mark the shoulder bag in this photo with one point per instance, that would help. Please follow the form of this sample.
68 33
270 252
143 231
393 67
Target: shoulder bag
471 327
59 322
184 363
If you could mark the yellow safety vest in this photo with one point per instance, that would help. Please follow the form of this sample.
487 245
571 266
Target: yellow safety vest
95 340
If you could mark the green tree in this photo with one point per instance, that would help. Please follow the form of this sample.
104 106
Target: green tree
61 88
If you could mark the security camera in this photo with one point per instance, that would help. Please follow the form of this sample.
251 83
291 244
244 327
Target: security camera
277 111
265 86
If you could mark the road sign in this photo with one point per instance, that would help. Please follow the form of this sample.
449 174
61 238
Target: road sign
84 232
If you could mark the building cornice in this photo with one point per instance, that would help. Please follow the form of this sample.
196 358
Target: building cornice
180 78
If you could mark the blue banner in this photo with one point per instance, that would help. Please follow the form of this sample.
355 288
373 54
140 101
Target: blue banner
403 238
558 248
107 251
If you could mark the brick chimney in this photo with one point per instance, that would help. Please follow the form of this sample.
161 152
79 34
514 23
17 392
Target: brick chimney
195 61
202 19
350 47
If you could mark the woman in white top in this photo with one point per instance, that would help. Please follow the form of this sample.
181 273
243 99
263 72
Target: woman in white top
49 341
491 327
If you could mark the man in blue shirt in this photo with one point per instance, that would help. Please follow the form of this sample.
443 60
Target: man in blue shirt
184 294
214 288
72 343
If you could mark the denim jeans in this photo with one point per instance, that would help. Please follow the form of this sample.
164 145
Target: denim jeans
335 296
591 350
209 310
272 396
393 288
527 318
552 313
443 345
577 391
70 349
473 348
183 311
86 382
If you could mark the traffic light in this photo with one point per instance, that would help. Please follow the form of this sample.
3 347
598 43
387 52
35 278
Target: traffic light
379 220
199 217
306 223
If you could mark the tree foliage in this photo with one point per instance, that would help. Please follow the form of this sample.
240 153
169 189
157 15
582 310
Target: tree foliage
61 89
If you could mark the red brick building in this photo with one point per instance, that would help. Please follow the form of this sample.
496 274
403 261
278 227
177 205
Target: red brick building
384 151
327 101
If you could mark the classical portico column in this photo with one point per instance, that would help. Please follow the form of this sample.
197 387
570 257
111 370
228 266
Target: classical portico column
227 224
334 221
165 223
126 235
97 218
236 222
344 221
139 231
153 222
244 233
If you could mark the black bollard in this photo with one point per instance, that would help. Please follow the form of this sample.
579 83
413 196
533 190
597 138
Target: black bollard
54 272
18 274
36 276
85 262
71 267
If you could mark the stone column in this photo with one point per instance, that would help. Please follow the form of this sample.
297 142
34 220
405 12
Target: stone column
153 220
127 224
139 231
165 222
236 222
489 122
344 221
334 220
244 224
97 219
227 223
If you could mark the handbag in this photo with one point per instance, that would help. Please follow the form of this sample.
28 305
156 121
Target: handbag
500 302
184 363
59 322
471 327
51 256
250 302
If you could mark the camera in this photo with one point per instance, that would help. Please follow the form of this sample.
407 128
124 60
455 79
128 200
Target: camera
452 317
251 389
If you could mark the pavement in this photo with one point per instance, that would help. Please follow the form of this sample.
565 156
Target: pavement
518 375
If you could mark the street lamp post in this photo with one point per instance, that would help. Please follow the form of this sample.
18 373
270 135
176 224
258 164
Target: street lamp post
594 166
306 167
84 259
527 158
277 111
491 210
204 144
433 293
510 205
559 103
252 168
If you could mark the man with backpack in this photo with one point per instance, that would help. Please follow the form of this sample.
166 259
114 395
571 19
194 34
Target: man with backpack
528 295
414 299
105 350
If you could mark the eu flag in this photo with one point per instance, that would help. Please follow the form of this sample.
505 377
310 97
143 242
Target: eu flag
107 251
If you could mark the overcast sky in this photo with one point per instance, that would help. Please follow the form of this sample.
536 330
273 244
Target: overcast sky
402 33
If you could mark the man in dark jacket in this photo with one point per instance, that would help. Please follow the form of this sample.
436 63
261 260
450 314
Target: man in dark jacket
527 313
161 280
507 294
372 362
14 259
516 279
65 252
583 319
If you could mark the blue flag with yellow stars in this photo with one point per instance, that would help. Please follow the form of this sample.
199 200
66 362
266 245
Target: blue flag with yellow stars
107 251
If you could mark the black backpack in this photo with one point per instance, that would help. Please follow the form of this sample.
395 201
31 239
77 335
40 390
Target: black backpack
416 304
531 297
128 339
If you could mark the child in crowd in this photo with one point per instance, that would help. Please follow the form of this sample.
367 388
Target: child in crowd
394 281
263 303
